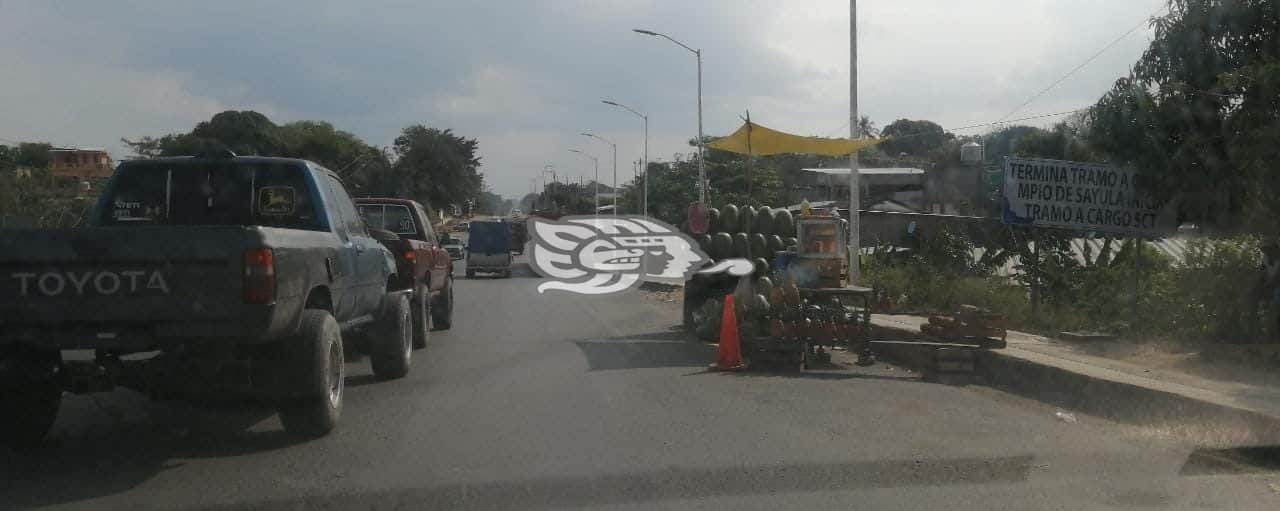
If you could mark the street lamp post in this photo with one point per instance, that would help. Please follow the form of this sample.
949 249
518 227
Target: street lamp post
615 168
702 171
644 167
635 176
595 184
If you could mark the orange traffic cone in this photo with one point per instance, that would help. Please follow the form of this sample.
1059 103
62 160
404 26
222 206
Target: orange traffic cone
729 355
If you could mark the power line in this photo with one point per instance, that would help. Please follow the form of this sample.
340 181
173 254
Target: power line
1083 64
986 124
1034 117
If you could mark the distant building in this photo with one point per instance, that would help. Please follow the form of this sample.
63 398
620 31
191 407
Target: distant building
80 163
903 186
955 191
949 191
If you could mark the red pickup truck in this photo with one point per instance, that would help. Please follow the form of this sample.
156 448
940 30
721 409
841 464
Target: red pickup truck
423 264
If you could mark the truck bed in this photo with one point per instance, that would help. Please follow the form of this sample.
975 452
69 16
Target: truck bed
136 286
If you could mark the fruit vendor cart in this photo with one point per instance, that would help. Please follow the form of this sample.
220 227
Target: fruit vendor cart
812 309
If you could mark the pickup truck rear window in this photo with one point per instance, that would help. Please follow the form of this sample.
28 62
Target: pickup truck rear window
391 217
211 193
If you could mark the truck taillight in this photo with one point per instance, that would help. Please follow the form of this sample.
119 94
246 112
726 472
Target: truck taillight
259 276
410 256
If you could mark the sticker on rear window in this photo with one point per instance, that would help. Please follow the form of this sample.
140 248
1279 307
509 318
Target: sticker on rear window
276 200
133 211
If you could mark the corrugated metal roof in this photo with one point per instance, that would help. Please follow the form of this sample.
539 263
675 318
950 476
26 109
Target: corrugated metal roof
903 171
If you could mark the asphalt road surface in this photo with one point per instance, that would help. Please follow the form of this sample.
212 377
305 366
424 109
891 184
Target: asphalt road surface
560 401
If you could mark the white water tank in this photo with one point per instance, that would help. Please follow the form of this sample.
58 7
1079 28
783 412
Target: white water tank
971 153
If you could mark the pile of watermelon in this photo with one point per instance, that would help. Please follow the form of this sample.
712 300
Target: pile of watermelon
748 233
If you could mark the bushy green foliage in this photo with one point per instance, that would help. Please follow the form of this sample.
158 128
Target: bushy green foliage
434 166
1207 297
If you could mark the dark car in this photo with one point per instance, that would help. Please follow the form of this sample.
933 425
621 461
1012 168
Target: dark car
489 248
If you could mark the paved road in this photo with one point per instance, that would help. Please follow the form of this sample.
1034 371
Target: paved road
556 401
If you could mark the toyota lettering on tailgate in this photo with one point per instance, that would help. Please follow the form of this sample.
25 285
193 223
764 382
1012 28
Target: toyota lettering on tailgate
80 282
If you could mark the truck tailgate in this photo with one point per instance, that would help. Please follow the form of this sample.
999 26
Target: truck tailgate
122 275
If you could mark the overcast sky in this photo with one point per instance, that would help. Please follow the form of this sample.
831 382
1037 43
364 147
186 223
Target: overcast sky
526 77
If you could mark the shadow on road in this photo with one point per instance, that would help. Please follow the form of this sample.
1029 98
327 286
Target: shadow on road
1238 460
108 458
518 271
523 271
812 375
677 484
361 380
641 353
644 351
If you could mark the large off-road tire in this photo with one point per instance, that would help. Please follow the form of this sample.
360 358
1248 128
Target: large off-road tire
421 306
29 398
692 302
315 411
442 310
391 339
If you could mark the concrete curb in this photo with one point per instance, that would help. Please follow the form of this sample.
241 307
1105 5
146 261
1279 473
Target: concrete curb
1166 413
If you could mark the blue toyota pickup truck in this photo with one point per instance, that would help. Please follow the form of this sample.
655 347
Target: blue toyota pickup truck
199 277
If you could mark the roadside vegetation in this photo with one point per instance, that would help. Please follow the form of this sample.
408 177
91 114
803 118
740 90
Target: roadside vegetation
432 165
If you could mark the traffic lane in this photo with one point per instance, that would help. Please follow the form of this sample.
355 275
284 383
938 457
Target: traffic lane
626 415
118 450
552 400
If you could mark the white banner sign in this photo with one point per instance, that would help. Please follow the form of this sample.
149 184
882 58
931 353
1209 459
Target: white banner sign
1082 196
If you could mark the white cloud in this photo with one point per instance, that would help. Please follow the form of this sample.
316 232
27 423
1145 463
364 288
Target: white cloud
73 102
490 91
526 83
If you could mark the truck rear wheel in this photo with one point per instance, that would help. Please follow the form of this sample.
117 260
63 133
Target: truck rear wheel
29 398
442 311
421 319
315 412
392 340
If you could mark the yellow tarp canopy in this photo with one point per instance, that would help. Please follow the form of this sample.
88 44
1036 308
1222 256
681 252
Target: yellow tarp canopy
767 142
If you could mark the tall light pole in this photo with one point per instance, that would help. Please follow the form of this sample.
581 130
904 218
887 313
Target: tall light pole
702 171
855 191
644 167
615 167
595 184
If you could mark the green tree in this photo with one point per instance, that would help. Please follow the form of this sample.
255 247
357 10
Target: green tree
251 133
32 154
568 198
8 157
1199 113
493 204
672 187
436 165
1064 141
916 138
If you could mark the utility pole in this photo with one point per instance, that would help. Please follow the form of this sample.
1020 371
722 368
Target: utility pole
855 189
